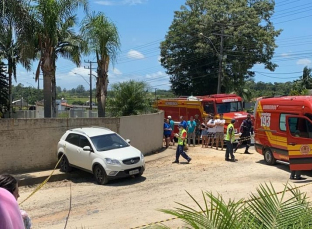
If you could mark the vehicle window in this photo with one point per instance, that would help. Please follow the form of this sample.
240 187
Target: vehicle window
73 139
300 127
108 142
84 142
229 107
209 108
282 122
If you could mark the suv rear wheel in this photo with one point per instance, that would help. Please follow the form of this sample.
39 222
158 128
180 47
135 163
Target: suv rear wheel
65 167
268 157
100 175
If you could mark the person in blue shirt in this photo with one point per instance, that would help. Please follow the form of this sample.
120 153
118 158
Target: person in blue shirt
167 132
191 125
183 122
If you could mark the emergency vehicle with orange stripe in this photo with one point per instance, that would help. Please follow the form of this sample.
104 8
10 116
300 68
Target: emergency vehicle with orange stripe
283 130
229 104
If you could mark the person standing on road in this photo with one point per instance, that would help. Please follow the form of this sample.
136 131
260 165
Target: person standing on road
220 131
204 129
295 175
191 125
167 132
183 122
181 141
211 130
246 130
197 129
229 139
171 122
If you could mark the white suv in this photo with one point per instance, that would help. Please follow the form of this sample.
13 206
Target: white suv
99 151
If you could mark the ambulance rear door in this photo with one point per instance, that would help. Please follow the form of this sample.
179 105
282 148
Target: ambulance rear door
299 142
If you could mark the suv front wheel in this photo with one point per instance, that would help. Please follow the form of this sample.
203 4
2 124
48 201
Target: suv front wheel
100 175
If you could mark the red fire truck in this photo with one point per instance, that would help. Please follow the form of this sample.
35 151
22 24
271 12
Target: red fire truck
228 104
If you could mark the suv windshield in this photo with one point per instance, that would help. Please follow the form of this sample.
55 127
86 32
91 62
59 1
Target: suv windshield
229 107
108 142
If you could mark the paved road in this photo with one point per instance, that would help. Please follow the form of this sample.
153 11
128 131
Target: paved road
133 202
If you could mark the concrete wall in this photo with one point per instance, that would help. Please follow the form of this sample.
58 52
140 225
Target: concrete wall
30 144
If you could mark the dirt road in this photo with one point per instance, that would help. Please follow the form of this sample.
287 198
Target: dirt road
132 202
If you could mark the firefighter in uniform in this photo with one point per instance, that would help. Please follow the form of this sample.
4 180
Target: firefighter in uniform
229 138
246 130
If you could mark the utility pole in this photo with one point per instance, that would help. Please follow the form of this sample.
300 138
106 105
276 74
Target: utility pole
90 67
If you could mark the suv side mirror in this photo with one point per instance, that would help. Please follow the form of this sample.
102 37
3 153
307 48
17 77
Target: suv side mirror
128 141
87 149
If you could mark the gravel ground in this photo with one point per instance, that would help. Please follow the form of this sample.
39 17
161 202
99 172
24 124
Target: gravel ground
132 202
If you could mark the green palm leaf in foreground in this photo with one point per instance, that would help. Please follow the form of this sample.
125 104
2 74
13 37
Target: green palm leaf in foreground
266 209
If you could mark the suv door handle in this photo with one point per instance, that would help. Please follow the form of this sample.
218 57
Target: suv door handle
292 143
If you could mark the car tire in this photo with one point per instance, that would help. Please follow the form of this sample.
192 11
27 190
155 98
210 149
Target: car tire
268 157
100 175
64 165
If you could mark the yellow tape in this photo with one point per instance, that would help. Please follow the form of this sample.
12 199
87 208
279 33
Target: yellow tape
243 202
44 182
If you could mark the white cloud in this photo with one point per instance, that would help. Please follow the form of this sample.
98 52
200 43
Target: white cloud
132 54
159 58
105 3
120 2
117 71
304 62
155 75
286 55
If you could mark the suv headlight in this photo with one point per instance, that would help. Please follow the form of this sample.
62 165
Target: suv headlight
110 161
142 156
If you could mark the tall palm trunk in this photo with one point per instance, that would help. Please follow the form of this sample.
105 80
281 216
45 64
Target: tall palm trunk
47 92
101 93
10 72
53 94
48 71
101 85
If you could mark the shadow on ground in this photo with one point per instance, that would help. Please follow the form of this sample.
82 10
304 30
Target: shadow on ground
78 176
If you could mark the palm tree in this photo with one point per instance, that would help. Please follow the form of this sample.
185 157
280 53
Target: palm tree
103 40
3 90
54 37
128 98
14 30
266 210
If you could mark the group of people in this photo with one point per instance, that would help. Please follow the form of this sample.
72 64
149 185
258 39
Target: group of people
11 216
211 131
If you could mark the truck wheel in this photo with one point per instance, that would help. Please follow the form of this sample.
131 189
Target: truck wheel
268 157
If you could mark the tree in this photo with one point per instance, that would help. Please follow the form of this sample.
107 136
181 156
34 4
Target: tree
192 60
54 37
3 90
306 80
102 37
265 210
15 25
128 98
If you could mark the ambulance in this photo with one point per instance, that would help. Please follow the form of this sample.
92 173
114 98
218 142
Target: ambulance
283 130
228 104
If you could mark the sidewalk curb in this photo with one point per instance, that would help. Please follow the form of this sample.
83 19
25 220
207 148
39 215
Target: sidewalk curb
25 181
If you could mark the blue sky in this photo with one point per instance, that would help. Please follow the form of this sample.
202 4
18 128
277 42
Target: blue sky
143 24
